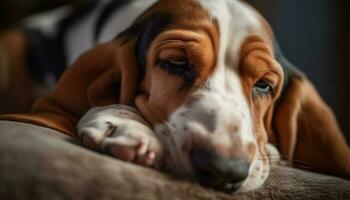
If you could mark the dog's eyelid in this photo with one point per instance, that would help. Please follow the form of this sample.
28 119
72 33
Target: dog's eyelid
182 68
271 78
175 63
176 59
179 62
265 80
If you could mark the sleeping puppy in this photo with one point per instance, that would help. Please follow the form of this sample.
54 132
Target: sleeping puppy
195 87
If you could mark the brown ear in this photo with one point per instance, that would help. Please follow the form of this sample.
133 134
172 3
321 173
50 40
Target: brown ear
307 131
118 83
104 75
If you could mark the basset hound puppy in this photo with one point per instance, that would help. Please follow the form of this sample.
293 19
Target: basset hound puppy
195 87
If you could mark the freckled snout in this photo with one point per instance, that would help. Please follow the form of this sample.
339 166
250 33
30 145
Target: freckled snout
213 138
217 171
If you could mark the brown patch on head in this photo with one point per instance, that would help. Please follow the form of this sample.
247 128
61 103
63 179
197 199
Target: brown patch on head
190 39
189 15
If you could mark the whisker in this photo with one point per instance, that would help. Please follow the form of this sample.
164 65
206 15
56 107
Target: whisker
298 163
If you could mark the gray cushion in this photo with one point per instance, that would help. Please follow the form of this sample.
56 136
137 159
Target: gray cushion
39 163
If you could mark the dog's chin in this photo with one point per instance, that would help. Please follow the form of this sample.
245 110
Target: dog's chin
177 161
258 173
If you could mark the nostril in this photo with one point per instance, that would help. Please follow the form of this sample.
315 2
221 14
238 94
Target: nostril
222 173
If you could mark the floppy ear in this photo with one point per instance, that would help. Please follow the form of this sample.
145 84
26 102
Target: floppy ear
306 127
118 83
107 74
104 75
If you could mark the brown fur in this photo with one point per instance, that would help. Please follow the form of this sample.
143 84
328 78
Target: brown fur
302 124
308 133
257 62
95 73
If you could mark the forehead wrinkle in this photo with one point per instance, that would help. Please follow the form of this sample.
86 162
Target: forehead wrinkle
190 16
235 21
161 16
269 65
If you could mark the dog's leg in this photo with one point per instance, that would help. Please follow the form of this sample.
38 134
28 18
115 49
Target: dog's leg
120 131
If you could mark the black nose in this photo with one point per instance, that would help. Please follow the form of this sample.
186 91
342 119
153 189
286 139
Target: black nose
219 172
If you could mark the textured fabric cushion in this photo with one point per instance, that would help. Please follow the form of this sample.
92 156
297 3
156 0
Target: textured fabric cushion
39 163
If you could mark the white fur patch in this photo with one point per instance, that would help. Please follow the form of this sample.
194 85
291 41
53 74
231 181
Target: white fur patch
222 94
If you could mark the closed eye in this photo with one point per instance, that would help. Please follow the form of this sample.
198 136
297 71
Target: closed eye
180 67
176 67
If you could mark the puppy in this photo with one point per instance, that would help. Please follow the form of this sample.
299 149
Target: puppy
196 87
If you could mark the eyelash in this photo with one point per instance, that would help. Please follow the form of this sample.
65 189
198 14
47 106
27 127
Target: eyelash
176 67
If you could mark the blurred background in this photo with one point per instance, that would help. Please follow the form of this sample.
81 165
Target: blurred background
314 35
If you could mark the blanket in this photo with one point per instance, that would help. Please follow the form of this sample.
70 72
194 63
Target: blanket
40 163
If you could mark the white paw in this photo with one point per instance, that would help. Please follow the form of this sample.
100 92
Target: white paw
120 132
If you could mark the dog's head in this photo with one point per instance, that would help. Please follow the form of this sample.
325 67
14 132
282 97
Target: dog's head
208 76
209 87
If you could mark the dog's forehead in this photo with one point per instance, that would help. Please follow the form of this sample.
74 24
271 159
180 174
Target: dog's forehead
236 21
233 19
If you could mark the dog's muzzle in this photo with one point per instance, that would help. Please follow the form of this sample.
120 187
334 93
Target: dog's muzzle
211 139
219 172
